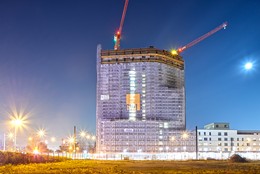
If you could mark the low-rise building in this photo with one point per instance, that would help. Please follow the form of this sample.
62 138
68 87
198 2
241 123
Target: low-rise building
218 137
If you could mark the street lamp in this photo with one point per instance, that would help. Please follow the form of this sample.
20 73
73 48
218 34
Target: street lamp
185 135
83 134
53 139
93 138
41 133
71 139
17 122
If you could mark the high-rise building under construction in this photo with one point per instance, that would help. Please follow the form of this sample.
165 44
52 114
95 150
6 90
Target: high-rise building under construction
140 102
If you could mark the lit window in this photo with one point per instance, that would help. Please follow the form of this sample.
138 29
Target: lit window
165 125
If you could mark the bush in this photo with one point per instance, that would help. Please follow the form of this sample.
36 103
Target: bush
237 159
20 158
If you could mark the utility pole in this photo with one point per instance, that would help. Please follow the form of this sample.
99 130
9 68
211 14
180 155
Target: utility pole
196 143
75 141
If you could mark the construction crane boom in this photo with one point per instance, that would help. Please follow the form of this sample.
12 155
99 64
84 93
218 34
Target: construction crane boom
117 36
181 49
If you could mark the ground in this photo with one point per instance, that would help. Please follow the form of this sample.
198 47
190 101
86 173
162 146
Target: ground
135 167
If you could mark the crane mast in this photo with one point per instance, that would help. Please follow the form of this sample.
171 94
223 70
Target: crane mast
194 42
117 36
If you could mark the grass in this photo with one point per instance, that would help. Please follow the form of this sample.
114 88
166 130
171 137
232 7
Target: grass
135 167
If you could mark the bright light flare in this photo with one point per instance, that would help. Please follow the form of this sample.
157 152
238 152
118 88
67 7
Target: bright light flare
41 133
248 66
174 52
53 139
36 151
18 121
83 134
71 139
93 137
10 135
185 135
18 117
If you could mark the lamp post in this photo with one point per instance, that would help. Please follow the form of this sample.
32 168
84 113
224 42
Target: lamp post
16 122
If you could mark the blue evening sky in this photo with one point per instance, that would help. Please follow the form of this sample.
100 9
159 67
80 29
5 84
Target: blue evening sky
48 57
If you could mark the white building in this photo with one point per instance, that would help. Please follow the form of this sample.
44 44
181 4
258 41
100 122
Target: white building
218 137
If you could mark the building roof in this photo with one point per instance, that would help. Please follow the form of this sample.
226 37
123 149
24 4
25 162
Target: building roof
150 54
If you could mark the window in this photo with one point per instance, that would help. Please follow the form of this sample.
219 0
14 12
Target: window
219 139
232 139
225 133
225 149
209 139
225 144
209 133
225 139
237 139
205 139
199 133
204 133
219 133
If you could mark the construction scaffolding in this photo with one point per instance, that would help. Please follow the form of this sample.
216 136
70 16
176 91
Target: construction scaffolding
140 100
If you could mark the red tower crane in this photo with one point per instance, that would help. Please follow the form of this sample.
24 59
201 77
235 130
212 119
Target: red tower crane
117 36
194 42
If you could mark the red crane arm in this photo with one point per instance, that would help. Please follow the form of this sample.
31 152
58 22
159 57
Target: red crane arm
181 49
117 36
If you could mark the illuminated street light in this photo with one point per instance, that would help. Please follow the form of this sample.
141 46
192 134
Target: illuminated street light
10 135
41 133
93 137
82 134
36 151
185 135
53 139
71 139
17 122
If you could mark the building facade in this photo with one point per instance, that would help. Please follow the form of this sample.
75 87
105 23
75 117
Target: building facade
218 137
140 102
